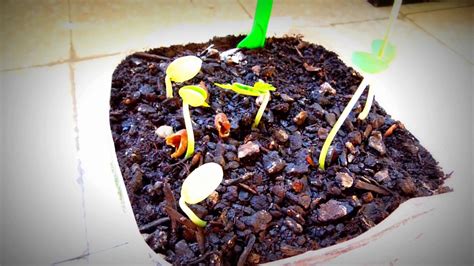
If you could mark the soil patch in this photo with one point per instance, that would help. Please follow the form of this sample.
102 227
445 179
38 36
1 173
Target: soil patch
274 202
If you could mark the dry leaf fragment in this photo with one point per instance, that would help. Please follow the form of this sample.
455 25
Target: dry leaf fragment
222 125
311 68
179 141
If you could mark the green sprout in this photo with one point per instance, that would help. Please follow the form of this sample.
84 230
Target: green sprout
180 70
198 186
259 89
194 96
340 121
382 54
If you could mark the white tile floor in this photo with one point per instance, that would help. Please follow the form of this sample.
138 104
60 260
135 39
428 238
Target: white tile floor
56 71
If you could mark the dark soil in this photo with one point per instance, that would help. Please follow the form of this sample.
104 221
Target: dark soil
274 203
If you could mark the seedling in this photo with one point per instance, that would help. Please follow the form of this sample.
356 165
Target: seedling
340 120
382 54
260 88
194 96
180 70
256 38
198 186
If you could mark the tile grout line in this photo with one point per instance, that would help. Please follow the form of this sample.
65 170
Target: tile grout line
85 255
435 10
65 61
436 38
245 10
80 177
356 21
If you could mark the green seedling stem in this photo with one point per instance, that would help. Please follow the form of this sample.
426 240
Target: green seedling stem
169 87
189 129
192 216
261 110
370 98
391 22
339 122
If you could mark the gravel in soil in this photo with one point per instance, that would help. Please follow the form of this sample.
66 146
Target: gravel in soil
274 202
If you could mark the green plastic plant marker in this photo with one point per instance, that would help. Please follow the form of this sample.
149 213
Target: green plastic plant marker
256 38
198 186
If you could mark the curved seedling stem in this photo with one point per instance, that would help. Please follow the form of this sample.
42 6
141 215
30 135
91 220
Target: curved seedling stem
189 129
368 104
261 110
169 87
196 220
340 121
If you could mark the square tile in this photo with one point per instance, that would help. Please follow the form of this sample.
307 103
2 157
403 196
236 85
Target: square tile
106 27
320 12
33 33
112 231
42 215
453 27
434 5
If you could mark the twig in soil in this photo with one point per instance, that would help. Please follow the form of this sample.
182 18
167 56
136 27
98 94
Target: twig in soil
178 217
374 188
198 231
200 259
246 252
390 130
239 179
201 239
299 52
170 202
248 188
151 56
153 224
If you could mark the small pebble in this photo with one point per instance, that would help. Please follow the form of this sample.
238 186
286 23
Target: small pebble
382 176
164 131
286 98
280 135
330 118
322 133
407 186
350 147
367 197
281 108
344 179
333 210
293 225
300 118
376 142
272 163
355 137
258 221
326 88
248 149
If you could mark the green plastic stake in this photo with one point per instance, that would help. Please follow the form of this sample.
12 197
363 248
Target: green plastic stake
256 38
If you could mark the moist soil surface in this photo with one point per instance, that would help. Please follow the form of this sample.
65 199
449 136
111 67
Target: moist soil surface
274 201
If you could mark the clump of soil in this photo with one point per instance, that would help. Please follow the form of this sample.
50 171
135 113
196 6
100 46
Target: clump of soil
274 202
